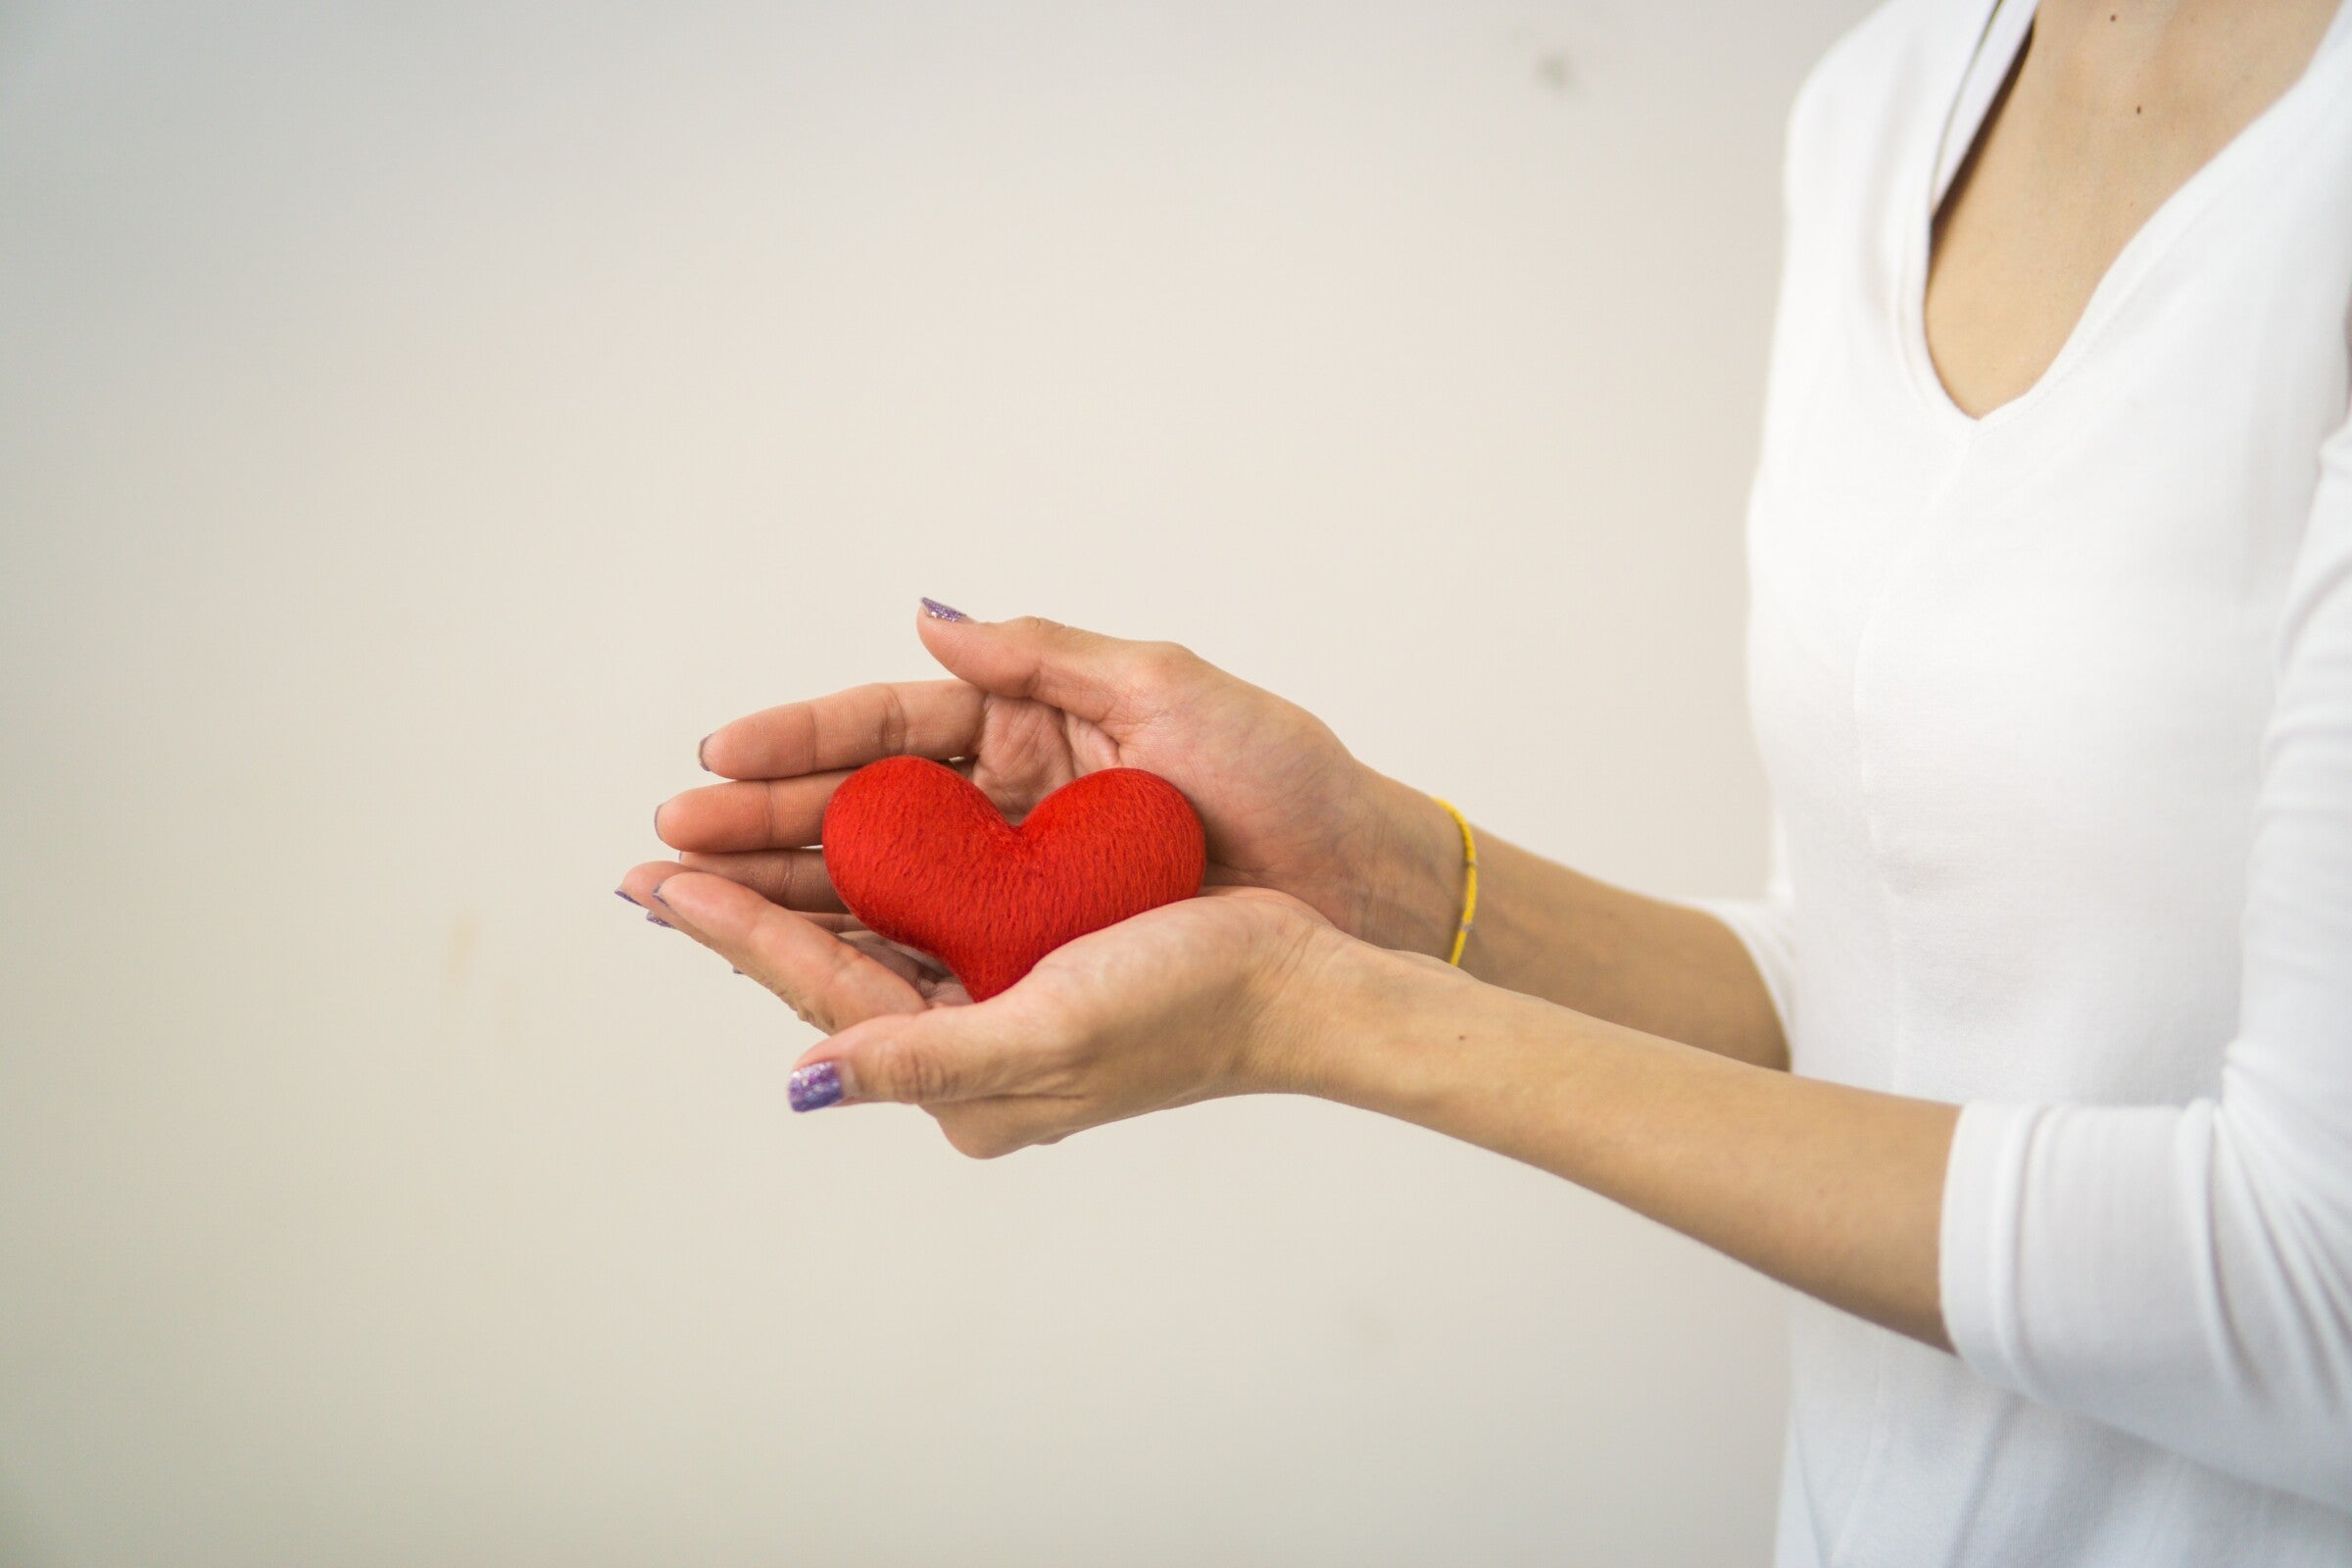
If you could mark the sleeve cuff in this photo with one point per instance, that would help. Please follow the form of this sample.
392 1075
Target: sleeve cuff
1978 1242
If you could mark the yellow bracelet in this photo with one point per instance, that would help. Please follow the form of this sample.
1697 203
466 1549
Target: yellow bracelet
1461 933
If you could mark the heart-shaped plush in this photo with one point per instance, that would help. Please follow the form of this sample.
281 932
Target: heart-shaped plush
923 858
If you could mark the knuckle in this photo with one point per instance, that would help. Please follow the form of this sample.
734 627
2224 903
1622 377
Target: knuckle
842 961
772 802
800 1008
993 1130
910 1072
970 1138
1165 663
892 724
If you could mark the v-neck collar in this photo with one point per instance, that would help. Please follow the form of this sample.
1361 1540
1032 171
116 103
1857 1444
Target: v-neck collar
1999 37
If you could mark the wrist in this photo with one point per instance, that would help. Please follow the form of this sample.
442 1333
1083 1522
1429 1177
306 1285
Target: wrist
1312 994
1369 1026
1413 880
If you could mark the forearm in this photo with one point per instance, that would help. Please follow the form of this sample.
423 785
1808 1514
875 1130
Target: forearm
1834 1190
1546 931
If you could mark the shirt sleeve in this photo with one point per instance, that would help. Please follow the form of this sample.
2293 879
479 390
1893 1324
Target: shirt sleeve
1766 927
2184 1272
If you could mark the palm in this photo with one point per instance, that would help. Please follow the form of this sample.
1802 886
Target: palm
1167 992
1273 787
927 982
1122 969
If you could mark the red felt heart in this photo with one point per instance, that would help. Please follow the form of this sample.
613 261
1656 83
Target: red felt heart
923 858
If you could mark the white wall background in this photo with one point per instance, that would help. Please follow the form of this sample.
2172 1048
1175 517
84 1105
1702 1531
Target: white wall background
419 424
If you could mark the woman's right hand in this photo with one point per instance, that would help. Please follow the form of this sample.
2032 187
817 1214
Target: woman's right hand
1035 704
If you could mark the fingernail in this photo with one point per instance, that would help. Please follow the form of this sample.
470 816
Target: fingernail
657 819
816 1086
626 899
938 611
655 920
699 747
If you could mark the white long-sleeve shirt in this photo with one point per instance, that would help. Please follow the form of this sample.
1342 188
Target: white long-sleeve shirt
2056 709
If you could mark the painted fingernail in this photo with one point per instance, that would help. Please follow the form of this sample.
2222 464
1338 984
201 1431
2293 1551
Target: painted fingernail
624 896
655 920
816 1086
938 611
701 747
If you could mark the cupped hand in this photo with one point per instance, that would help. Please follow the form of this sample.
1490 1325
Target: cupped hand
1035 704
1217 995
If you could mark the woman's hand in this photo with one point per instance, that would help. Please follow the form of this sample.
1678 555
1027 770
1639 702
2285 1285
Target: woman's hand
1219 995
1035 704
1834 1190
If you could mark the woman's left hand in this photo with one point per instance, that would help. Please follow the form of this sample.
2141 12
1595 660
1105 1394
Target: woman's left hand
1207 996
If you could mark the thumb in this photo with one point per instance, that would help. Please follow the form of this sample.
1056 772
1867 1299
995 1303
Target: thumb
1084 673
918 1058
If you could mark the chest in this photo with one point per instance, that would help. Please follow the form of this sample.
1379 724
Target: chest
2099 121
2035 648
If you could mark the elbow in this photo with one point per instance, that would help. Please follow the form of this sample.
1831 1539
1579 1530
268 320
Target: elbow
2181 1272
2278 1316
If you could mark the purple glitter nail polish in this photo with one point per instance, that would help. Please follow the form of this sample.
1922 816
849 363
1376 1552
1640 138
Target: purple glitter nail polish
626 899
655 920
938 611
816 1086
701 747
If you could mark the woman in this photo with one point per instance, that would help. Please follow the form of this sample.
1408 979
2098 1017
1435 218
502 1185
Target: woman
2034 1068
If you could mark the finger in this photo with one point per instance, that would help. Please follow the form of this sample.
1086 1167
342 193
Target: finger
792 878
755 814
641 882
844 926
916 970
934 718
935 1057
638 886
825 980
761 814
1098 678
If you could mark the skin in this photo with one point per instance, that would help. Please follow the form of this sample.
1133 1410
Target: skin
1624 1044
2114 106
